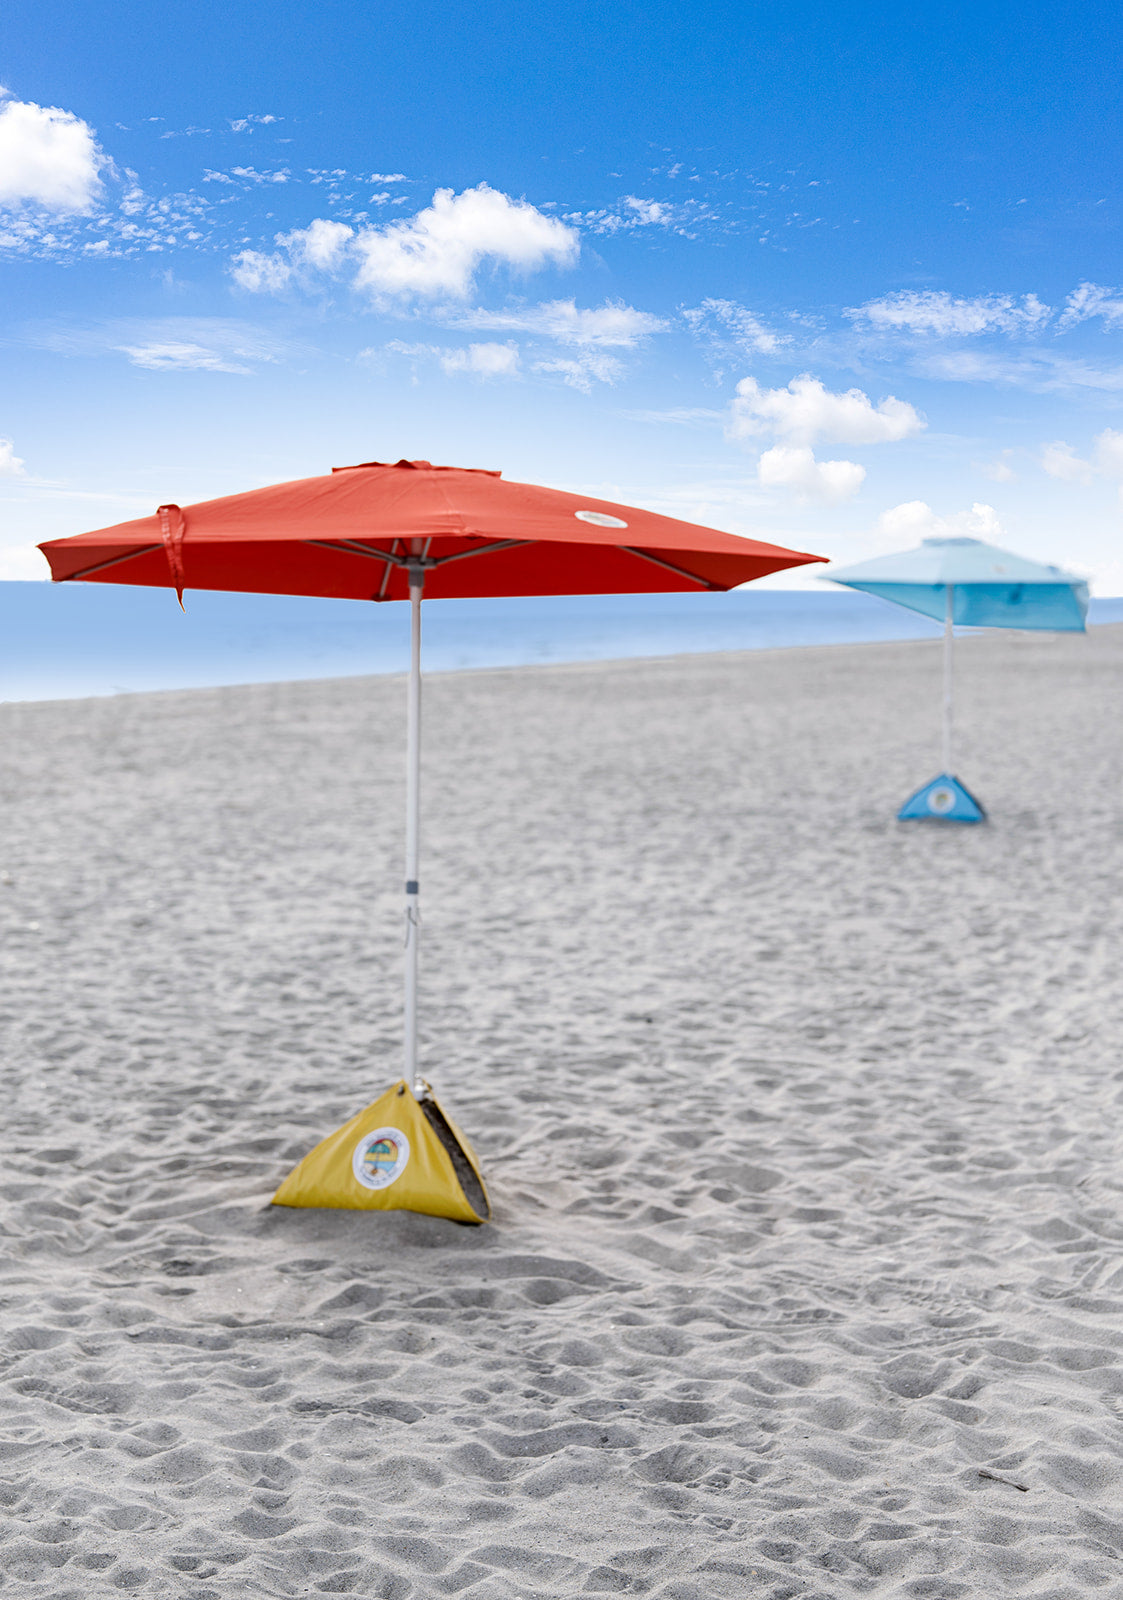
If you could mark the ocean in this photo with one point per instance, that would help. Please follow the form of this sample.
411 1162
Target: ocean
73 640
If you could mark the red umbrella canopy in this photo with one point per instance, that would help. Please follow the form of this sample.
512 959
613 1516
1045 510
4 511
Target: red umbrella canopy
351 535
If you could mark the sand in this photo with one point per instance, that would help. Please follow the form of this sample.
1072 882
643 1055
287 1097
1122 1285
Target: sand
802 1128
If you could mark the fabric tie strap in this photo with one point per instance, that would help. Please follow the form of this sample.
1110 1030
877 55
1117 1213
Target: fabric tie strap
172 528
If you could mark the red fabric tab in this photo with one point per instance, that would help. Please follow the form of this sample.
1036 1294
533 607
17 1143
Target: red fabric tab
172 529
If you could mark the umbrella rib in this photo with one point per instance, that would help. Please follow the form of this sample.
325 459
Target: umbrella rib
386 571
483 550
670 567
375 554
352 546
73 577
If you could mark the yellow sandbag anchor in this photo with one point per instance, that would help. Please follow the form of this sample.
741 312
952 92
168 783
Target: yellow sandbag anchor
399 1154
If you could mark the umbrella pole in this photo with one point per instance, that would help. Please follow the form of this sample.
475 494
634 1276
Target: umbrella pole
413 821
949 637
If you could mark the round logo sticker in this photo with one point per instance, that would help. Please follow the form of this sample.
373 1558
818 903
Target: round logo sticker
941 800
599 519
380 1157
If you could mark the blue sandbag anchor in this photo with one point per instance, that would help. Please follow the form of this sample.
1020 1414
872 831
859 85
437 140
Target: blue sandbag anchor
943 800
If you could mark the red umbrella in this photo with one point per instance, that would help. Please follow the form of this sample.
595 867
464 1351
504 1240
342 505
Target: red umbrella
350 536
386 532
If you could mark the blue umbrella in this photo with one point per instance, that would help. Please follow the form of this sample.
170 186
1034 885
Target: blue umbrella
977 585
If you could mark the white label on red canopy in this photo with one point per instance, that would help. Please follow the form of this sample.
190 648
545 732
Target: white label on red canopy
600 519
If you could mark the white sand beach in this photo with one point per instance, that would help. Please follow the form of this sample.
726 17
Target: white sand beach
802 1128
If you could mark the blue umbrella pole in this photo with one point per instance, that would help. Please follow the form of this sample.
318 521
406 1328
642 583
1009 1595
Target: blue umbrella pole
949 642
945 798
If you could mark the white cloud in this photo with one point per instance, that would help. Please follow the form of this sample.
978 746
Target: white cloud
745 331
651 212
169 344
583 370
1040 371
1092 300
592 334
174 356
480 360
320 245
181 133
1000 470
936 312
632 212
613 324
252 176
686 416
806 411
261 274
915 520
1109 452
128 224
794 467
23 563
10 464
49 158
436 253
1061 461
440 250
1107 578
484 360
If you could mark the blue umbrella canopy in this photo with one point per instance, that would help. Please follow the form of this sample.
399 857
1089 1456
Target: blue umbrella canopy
990 588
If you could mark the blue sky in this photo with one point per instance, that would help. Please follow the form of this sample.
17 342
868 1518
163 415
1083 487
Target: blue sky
836 275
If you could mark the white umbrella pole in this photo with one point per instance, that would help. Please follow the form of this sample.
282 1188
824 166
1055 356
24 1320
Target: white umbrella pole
949 637
413 822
